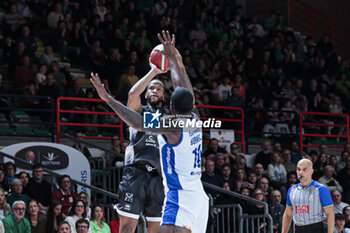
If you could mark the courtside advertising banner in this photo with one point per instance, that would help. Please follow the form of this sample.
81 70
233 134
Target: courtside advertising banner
59 158
224 137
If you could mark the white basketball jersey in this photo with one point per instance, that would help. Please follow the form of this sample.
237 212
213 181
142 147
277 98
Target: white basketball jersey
181 163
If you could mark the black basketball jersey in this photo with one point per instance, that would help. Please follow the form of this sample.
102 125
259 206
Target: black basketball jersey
143 147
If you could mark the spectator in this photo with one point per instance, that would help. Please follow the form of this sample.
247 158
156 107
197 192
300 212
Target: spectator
85 197
259 170
263 184
64 227
328 180
47 57
60 78
226 176
294 149
257 209
264 156
276 210
219 163
54 216
340 223
114 152
115 223
225 89
24 177
5 208
333 161
291 179
252 181
126 81
40 77
64 194
320 164
344 155
37 221
13 20
289 166
346 212
98 223
210 177
234 100
83 226
24 73
54 16
277 173
28 41
234 153
224 198
15 222
16 194
343 178
3 180
197 33
39 189
80 146
241 181
241 163
77 211
338 204
49 88
213 148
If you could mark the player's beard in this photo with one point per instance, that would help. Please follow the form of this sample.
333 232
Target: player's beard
153 103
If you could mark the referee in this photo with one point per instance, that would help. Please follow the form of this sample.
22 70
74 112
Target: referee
307 202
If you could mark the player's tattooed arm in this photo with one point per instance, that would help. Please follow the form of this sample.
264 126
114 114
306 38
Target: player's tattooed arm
179 76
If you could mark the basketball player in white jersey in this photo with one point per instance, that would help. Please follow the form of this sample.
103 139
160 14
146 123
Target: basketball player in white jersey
186 204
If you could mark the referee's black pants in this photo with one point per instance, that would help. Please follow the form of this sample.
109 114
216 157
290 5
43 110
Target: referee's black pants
312 228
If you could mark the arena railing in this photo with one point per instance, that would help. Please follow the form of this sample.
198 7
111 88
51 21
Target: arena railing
61 110
251 123
237 122
15 105
320 121
306 18
230 217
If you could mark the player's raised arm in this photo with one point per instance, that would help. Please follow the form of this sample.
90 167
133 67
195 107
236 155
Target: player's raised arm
178 72
134 100
130 116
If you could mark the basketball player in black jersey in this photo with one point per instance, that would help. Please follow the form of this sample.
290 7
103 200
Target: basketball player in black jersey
141 189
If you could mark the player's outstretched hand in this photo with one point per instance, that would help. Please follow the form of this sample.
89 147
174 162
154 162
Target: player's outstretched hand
101 90
168 43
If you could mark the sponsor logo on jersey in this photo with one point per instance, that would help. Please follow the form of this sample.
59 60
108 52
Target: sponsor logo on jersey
302 209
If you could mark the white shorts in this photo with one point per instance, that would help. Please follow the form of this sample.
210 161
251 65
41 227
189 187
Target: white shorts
186 209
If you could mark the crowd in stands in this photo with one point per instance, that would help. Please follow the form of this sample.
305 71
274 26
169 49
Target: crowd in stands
231 59
27 204
272 174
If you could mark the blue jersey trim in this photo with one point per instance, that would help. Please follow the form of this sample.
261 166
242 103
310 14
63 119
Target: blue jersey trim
168 160
325 195
171 208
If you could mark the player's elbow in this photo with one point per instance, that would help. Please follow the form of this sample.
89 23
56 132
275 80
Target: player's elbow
132 94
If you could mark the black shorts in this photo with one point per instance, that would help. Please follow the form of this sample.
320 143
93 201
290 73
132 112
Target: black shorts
312 228
140 192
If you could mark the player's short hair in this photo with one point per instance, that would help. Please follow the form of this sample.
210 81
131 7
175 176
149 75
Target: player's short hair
182 100
155 80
